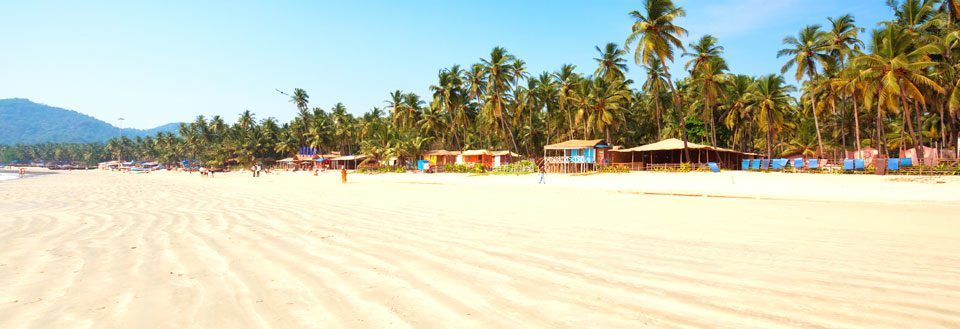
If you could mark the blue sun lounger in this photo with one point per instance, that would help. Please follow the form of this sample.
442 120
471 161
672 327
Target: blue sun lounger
746 164
755 164
776 164
797 164
893 164
847 164
858 164
813 164
713 166
765 164
906 162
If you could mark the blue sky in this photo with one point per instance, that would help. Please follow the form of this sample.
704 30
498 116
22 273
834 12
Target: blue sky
155 62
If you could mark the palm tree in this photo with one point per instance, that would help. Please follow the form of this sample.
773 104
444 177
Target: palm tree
656 83
611 65
710 78
705 50
656 35
809 51
394 104
498 71
566 80
604 106
898 67
769 100
737 116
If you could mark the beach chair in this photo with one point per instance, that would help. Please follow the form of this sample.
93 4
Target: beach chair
798 164
755 164
858 164
906 162
893 164
713 167
783 163
847 164
776 164
765 164
746 164
813 164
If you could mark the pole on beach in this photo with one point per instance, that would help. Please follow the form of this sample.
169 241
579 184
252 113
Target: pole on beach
120 141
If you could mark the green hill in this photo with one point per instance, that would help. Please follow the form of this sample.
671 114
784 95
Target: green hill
26 122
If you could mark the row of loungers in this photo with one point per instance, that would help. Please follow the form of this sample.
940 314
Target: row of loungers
776 164
813 164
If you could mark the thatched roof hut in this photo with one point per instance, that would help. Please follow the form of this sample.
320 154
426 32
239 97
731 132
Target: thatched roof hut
670 152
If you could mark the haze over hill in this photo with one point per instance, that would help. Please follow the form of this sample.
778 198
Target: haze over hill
25 122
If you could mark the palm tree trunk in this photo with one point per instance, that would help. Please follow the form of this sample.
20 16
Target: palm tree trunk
943 127
769 134
658 118
681 116
843 135
856 129
713 127
816 125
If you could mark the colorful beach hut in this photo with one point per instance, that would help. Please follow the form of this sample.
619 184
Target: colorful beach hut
576 155
440 157
483 157
503 158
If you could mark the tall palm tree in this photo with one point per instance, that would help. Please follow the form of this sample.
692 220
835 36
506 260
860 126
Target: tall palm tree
611 65
737 116
899 67
604 105
656 36
809 52
711 79
705 50
655 85
769 100
566 80
498 72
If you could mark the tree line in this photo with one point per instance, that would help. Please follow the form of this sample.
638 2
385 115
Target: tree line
840 88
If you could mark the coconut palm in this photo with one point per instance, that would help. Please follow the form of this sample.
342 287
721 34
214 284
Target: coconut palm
809 53
768 101
498 71
656 36
611 65
705 50
898 67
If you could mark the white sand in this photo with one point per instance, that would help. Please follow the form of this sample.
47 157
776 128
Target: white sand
171 250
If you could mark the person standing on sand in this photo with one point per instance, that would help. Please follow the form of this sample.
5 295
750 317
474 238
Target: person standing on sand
253 170
343 175
22 172
543 176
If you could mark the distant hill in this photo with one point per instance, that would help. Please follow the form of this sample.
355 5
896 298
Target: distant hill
26 122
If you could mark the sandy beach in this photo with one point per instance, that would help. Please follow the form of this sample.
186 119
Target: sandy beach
90 249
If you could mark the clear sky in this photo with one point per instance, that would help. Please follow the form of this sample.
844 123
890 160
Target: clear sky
155 62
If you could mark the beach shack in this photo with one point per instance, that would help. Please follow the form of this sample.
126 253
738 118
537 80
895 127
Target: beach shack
669 153
440 157
503 158
483 157
574 156
109 165
350 162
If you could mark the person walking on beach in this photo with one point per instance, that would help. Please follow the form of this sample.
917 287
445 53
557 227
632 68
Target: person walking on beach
543 176
343 175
